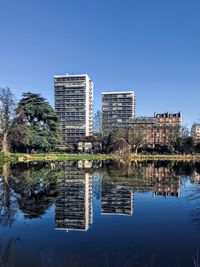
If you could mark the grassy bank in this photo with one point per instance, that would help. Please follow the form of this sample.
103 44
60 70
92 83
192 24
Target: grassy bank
53 157
165 157
63 157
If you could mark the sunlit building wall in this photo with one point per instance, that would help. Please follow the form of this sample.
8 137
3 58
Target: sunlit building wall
161 129
74 106
117 109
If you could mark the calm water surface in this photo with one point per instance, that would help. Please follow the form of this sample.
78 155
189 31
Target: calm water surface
100 214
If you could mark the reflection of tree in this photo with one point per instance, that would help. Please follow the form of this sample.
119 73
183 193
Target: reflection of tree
8 207
34 204
32 187
36 186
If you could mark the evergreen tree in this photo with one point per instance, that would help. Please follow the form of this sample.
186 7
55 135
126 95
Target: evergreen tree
39 122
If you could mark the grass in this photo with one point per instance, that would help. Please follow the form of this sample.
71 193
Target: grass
17 157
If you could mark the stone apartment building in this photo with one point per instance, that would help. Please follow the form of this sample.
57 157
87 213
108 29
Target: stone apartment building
142 131
168 127
195 132
157 130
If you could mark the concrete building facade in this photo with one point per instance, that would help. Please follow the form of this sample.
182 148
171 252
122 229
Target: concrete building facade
117 110
74 106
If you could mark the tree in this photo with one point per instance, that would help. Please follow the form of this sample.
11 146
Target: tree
114 136
184 143
121 147
40 119
19 135
7 105
136 138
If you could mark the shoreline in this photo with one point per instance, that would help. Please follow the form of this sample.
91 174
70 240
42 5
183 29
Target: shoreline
17 157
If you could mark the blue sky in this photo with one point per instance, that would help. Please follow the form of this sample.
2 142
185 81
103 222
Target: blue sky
149 46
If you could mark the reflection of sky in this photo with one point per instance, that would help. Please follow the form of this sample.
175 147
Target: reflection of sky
159 227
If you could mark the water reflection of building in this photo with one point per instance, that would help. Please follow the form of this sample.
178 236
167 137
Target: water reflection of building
163 180
116 199
74 203
84 164
195 177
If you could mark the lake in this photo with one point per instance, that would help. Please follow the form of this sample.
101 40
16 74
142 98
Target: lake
110 213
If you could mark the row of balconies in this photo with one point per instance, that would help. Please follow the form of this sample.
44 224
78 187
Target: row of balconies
117 110
70 92
117 114
70 100
72 95
71 111
63 100
116 97
72 106
74 122
111 105
69 114
80 78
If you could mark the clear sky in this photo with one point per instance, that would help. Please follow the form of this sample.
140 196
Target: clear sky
149 46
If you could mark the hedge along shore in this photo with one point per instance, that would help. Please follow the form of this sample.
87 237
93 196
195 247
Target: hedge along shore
63 157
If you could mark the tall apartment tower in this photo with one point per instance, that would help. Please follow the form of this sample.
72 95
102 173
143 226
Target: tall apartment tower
117 110
74 106
195 132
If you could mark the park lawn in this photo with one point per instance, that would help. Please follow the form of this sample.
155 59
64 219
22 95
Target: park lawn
19 157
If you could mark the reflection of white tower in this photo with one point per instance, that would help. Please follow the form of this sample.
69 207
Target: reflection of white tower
74 203
116 199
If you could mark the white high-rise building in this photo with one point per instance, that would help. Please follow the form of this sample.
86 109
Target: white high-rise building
117 110
74 106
